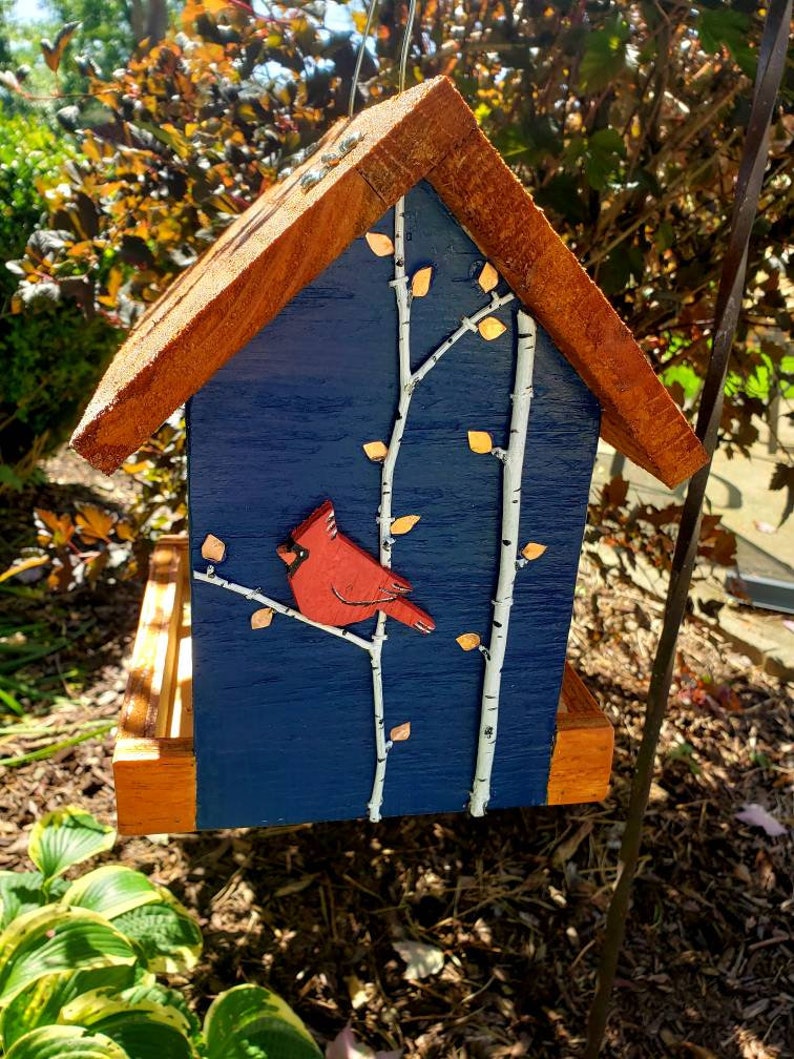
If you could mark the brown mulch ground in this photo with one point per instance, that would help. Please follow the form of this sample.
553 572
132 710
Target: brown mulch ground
516 901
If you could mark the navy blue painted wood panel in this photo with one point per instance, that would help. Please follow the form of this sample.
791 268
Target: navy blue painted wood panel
283 716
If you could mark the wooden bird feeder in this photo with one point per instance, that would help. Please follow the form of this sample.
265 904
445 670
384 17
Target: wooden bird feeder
396 376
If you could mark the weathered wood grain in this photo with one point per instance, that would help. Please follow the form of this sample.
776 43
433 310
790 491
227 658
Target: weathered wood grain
287 238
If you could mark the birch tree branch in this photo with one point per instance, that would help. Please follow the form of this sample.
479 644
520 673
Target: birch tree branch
400 285
512 460
211 578
468 323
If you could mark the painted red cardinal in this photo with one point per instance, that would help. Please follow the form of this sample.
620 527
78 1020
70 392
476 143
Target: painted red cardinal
337 583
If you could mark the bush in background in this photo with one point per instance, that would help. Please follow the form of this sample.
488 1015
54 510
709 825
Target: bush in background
51 353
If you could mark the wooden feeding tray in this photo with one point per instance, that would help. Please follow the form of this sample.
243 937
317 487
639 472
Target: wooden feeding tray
154 764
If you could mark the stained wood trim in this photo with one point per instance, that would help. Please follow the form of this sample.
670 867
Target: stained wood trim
582 758
154 767
290 235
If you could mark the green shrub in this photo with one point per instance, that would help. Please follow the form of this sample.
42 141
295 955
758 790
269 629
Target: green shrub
51 354
78 965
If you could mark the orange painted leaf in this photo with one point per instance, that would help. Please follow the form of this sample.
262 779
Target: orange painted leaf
260 619
533 550
480 441
376 451
404 524
94 524
468 641
420 281
379 244
400 732
488 278
490 328
213 549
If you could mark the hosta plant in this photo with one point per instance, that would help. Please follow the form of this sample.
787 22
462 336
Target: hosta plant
79 960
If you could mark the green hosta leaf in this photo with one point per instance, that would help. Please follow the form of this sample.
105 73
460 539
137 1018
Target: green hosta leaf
56 939
250 1021
66 837
20 892
145 1028
41 1002
606 55
65 1042
165 933
160 994
111 890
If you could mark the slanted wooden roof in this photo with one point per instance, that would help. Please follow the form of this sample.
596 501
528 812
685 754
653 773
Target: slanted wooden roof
291 234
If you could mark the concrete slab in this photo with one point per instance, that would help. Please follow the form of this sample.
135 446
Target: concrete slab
739 491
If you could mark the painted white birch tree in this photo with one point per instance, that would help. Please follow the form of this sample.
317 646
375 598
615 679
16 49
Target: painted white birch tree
512 460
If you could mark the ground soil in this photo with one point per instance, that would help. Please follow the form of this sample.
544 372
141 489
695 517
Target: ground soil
516 901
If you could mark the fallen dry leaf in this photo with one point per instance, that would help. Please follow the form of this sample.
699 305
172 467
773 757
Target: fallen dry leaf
756 816
421 960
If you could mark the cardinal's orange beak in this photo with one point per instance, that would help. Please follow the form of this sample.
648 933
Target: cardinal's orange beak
285 554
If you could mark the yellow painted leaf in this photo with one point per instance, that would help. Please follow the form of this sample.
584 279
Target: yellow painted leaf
468 641
376 451
490 328
420 281
400 732
488 278
379 244
533 551
404 524
260 619
94 524
213 549
480 441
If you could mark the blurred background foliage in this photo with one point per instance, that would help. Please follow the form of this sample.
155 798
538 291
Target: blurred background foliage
144 127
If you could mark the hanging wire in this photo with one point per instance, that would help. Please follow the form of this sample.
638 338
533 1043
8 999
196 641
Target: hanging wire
360 57
409 28
406 47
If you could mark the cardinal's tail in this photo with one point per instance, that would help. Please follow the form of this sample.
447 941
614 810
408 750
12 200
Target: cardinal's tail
409 614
